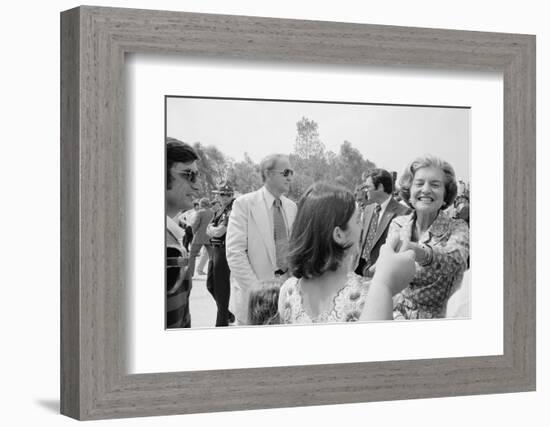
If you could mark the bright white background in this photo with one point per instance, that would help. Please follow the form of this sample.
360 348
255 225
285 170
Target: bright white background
30 213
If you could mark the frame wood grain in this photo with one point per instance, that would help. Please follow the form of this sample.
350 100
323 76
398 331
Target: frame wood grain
94 41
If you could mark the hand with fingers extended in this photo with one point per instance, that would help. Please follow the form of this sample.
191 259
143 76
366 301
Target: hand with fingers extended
395 269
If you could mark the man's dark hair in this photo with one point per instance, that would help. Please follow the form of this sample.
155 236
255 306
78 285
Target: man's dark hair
382 176
312 248
177 152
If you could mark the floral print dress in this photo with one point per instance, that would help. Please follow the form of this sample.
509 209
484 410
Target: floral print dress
426 295
348 303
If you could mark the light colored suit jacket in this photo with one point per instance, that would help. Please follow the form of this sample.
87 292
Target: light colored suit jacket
250 247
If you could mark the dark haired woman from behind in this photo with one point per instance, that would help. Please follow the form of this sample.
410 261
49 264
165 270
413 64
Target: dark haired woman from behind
322 252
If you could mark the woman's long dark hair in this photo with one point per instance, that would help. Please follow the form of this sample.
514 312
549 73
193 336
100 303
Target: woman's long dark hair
312 249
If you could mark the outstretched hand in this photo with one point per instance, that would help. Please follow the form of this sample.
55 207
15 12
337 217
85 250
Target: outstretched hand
395 269
395 266
419 252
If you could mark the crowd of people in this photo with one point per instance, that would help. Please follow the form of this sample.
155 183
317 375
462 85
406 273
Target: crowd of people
334 256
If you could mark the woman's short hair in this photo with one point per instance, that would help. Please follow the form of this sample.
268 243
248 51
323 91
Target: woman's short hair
268 163
312 248
406 179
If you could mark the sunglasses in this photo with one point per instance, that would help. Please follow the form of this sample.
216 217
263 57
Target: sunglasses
285 172
189 175
226 194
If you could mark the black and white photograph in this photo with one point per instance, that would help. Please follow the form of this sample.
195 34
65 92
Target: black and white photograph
311 211
136 137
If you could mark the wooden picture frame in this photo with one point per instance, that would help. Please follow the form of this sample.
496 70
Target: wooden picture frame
94 41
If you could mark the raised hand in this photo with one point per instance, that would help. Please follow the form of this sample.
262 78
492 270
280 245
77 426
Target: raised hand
395 265
395 269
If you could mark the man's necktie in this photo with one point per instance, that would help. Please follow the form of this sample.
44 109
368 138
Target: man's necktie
280 235
371 233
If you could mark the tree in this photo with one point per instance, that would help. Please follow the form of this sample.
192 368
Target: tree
352 167
212 165
333 166
303 176
308 143
245 175
308 159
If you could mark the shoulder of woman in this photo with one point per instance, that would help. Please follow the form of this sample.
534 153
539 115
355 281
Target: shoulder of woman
356 281
458 223
288 287
287 299
444 227
459 226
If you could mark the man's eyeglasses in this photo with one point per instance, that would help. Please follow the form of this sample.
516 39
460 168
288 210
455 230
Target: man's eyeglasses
285 172
226 194
189 175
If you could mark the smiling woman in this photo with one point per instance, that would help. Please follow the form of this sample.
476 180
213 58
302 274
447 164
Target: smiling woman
440 243
317 140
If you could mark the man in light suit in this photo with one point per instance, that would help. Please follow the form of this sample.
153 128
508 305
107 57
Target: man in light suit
258 232
377 215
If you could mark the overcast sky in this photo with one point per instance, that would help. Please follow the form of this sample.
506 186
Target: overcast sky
390 136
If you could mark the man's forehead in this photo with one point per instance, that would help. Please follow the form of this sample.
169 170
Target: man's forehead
182 167
282 163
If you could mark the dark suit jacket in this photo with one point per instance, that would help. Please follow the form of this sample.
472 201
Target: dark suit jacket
393 210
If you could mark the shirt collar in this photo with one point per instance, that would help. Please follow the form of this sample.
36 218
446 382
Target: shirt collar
174 228
268 197
384 204
439 227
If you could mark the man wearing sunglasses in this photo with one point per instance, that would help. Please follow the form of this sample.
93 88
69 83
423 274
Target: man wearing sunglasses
181 188
258 232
